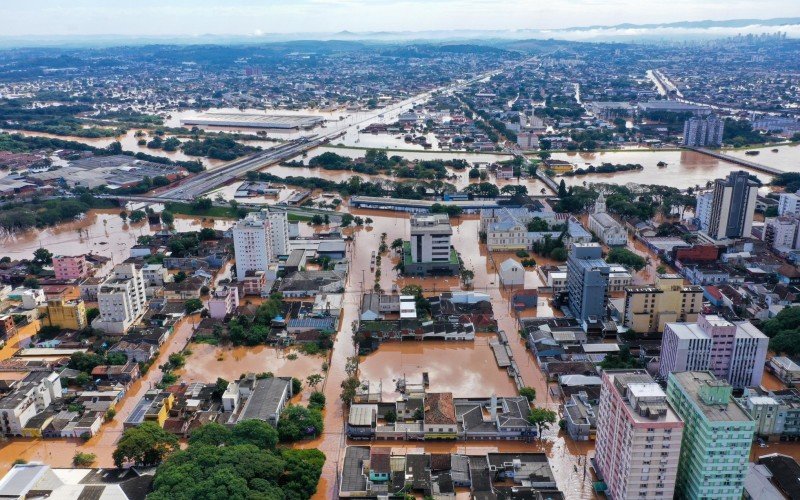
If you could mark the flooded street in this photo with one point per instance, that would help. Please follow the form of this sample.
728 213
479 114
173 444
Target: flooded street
59 452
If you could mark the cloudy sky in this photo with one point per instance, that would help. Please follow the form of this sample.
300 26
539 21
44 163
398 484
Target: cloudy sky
245 17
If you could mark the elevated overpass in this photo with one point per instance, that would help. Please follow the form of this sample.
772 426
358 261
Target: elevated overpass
758 167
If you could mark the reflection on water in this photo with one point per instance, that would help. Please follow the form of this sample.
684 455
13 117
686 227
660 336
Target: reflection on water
684 168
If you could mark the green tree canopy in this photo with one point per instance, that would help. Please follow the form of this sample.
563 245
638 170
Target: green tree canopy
145 445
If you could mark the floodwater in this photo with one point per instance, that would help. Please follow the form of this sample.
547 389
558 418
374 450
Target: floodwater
59 452
467 369
787 156
684 168
207 362
101 232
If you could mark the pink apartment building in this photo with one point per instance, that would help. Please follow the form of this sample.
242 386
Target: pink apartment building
223 301
68 268
638 437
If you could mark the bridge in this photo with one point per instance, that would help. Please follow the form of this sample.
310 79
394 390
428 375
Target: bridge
764 169
149 200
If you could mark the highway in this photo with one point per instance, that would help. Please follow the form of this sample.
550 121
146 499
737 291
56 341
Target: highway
204 182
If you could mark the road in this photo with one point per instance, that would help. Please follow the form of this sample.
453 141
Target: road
207 181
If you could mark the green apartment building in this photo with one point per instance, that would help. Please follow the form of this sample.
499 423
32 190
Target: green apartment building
717 436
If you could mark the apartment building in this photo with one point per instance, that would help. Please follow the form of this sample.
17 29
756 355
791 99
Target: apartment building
638 439
782 233
733 206
703 131
649 308
429 251
717 436
121 300
789 203
735 352
252 245
69 315
587 281
27 398
68 268
223 301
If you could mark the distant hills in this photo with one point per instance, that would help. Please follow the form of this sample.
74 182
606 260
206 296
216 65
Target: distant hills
675 31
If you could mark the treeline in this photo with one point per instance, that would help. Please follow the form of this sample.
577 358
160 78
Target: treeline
58 120
378 162
36 213
605 168
218 148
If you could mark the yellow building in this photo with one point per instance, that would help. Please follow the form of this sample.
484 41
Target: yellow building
70 315
649 308
558 166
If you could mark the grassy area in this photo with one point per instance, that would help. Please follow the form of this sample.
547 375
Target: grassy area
221 212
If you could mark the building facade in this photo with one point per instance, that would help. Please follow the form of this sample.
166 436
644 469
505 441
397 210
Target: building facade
121 300
610 232
649 308
638 439
430 251
223 301
733 206
68 268
252 245
703 131
717 436
69 315
789 203
587 281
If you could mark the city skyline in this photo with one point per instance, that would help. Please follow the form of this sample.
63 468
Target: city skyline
257 18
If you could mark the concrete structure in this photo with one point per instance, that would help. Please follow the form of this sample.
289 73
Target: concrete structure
785 369
223 301
252 245
121 299
703 131
650 308
37 480
782 233
733 206
702 212
279 232
69 315
511 273
789 203
250 120
717 436
264 398
27 398
587 281
68 268
429 251
527 140
733 352
606 227
638 437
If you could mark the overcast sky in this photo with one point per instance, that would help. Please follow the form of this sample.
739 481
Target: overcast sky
244 17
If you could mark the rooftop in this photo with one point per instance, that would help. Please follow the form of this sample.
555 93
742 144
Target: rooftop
695 386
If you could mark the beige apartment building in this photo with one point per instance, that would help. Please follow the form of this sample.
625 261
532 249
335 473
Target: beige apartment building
649 308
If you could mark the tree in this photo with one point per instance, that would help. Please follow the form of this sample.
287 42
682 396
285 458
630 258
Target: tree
167 217
349 386
137 216
314 380
390 417
91 314
31 282
542 418
298 422
83 459
620 255
193 305
562 189
316 400
397 244
124 216
144 445
179 277
256 432
212 434
529 393
42 257
347 219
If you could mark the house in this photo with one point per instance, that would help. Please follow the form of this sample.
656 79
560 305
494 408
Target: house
223 302
362 421
439 420
512 273
379 464
124 374
298 325
785 369
265 398
311 283
190 288
139 352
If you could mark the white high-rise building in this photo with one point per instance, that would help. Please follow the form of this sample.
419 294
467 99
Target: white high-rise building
783 233
703 210
789 203
251 244
702 132
279 233
121 300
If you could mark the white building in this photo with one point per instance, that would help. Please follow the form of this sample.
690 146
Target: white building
121 299
430 238
527 140
223 301
27 398
703 209
733 206
511 273
789 203
606 227
252 245
782 233
279 233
